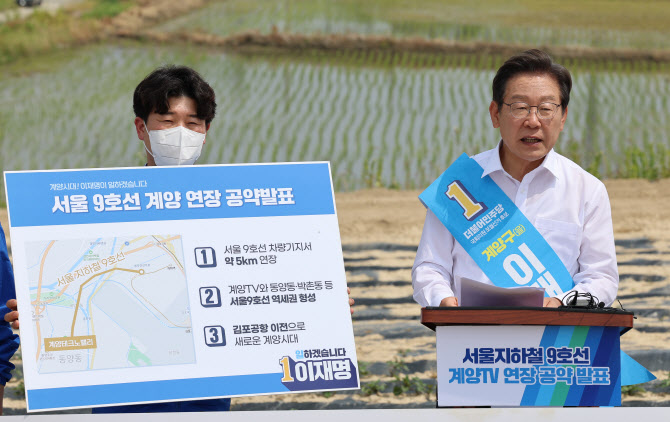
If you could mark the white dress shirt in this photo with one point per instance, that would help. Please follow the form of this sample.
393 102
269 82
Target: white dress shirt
566 204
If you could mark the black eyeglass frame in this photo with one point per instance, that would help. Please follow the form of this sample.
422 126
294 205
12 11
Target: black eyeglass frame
537 109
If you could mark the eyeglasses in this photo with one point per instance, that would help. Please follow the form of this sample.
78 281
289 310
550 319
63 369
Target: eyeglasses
543 111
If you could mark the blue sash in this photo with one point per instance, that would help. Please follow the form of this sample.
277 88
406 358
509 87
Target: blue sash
493 231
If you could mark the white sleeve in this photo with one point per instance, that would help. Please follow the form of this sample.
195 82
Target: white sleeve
432 277
598 273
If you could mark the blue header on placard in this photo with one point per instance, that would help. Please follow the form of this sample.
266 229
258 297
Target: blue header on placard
47 198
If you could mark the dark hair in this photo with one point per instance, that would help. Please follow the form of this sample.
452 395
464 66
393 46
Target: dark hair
153 93
532 61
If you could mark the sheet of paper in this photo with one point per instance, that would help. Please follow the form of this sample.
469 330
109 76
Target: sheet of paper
474 293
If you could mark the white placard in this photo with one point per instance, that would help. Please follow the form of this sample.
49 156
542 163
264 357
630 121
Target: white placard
162 284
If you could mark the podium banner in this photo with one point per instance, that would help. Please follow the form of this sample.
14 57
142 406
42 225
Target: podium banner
528 366
175 283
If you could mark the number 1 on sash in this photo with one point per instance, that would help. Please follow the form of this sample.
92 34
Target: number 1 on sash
471 208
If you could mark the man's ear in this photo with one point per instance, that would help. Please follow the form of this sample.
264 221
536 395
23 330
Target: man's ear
140 128
564 116
206 130
495 114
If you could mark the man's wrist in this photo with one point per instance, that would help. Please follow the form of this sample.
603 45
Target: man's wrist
552 302
449 301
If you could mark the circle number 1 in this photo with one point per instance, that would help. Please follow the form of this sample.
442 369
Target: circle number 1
471 208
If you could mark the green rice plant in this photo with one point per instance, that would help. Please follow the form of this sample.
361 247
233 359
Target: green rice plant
363 368
649 162
595 167
408 123
20 390
406 384
402 383
665 383
631 390
372 387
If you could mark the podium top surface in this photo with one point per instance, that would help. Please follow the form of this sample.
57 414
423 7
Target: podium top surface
435 316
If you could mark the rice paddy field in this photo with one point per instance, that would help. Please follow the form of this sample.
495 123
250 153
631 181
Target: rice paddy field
596 23
381 120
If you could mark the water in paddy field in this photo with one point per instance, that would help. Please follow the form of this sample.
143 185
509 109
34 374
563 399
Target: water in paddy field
373 17
379 126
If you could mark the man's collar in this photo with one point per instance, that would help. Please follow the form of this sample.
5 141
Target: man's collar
492 162
551 163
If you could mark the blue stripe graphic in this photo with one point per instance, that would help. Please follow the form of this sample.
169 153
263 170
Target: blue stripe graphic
562 339
592 341
589 392
135 392
615 400
548 339
609 345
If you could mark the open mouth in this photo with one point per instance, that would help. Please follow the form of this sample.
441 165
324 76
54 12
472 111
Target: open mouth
530 140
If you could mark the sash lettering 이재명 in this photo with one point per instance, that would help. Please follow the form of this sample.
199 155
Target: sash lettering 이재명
493 231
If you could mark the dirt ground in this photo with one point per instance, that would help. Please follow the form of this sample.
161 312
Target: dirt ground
380 230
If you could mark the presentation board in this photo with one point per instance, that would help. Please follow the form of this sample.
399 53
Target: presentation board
174 283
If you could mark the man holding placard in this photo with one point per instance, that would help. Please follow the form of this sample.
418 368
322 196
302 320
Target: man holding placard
174 107
565 210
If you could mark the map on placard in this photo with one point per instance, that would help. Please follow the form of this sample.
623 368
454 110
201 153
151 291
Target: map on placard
117 302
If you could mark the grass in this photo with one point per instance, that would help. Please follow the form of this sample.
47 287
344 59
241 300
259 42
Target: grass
62 30
372 387
402 382
607 23
21 390
107 8
81 24
7 5
42 31
631 390
363 369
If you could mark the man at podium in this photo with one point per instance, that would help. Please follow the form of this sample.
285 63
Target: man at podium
568 206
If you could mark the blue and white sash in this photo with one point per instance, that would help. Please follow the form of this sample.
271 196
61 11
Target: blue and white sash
493 231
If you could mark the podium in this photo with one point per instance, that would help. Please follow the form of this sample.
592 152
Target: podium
528 356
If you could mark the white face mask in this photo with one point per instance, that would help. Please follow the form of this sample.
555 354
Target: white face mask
176 146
